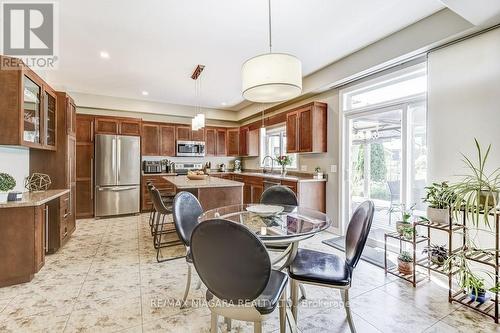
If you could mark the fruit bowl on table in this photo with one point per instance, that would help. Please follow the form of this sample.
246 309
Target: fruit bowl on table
265 210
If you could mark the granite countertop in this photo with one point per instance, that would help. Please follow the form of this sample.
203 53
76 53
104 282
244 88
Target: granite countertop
31 199
276 176
182 182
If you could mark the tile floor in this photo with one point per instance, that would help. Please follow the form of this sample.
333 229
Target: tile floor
106 279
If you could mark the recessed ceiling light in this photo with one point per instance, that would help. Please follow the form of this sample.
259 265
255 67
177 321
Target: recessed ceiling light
145 93
104 55
223 103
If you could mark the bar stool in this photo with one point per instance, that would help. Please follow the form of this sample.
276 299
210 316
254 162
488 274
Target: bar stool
160 225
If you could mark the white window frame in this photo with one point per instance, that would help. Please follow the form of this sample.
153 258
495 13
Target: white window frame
344 135
263 148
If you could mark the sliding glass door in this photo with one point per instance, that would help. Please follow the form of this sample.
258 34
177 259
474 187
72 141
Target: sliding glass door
385 147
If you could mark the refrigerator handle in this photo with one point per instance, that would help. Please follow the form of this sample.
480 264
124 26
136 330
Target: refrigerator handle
113 154
91 178
118 158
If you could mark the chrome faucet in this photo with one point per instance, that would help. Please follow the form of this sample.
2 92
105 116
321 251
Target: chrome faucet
264 170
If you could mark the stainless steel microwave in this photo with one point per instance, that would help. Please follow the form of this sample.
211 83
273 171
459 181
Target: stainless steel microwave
190 148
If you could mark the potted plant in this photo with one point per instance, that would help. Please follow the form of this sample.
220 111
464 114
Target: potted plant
406 214
319 173
478 191
406 231
7 183
439 197
405 263
283 161
437 253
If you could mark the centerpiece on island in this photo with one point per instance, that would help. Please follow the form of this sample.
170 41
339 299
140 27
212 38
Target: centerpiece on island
283 161
196 175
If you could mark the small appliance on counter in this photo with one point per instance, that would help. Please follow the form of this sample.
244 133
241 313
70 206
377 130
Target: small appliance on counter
166 166
222 167
237 166
151 167
183 168
208 167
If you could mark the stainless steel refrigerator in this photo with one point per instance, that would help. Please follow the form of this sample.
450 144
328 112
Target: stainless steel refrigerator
117 174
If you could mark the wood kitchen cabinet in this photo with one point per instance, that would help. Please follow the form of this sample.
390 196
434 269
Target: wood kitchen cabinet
249 142
215 141
198 135
150 140
306 129
118 125
183 133
84 166
221 142
22 243
167 140
210 141
158 139
28 107
292 137
233 137
60 222
61 164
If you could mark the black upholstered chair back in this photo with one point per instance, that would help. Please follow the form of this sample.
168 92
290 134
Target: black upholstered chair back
186 211
158 202
279 195
357 232
231 261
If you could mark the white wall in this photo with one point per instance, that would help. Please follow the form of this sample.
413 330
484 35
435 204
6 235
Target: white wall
463 103
15 162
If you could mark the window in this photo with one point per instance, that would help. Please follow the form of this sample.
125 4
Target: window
274 144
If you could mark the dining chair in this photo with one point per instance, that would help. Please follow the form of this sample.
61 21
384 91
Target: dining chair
235 267
330 270
186 210
161 227
280 195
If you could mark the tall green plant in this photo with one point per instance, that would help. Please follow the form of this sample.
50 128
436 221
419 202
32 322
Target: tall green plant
476 194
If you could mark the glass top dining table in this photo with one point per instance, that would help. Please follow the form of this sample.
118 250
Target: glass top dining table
291 225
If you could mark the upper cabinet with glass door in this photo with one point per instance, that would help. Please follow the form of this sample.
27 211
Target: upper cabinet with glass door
28 107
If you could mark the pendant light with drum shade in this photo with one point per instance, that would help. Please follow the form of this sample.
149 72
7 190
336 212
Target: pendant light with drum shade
271 77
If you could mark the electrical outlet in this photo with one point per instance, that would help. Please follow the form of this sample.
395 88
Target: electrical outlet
333 168
303 167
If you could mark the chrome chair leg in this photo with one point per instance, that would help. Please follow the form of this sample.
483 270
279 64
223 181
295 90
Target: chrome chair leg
282 308
227 320
257 327
293 294
302 291
213 322
345 299
188 285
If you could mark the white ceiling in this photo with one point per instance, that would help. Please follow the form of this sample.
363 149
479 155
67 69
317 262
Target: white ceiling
154 45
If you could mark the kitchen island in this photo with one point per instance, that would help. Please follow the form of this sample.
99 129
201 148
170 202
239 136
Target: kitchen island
212 192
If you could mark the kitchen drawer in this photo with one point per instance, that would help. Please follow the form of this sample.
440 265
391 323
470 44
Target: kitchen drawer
290 184
64 204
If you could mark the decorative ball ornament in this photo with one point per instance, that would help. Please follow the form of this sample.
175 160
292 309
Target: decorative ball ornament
37 182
